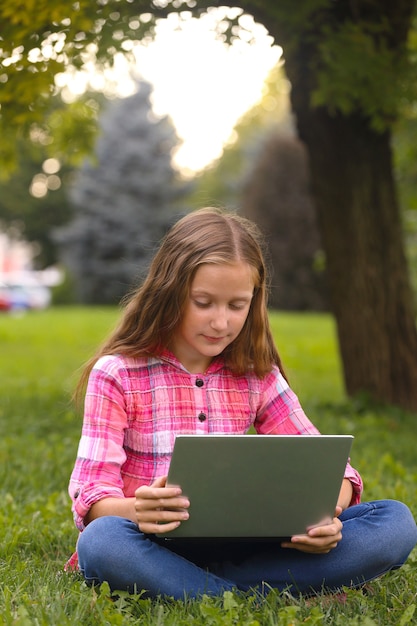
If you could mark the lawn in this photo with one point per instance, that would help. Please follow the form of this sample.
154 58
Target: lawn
41 353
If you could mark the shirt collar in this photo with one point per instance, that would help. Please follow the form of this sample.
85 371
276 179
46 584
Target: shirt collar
168 357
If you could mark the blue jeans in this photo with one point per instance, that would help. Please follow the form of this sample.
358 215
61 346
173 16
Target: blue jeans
377 537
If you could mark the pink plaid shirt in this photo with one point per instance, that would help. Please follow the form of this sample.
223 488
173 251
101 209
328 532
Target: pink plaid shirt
134 409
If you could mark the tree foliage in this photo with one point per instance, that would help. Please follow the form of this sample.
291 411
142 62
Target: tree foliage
33 215
276 195
39 40
123 200
221 181
264 173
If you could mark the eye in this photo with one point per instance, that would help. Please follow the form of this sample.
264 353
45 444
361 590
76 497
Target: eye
201 305
237 306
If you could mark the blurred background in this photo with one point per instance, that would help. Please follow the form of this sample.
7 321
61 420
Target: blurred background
119 117
187 119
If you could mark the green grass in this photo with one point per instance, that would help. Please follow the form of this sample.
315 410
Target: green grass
39 431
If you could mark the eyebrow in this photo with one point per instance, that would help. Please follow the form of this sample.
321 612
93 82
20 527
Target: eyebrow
206 294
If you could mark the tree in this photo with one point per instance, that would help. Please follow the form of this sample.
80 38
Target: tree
276 195
33 201
38 41
123 201
405 159
263 172
221 181
350 66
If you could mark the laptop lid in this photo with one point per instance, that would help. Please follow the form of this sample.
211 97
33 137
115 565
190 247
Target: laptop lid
257 486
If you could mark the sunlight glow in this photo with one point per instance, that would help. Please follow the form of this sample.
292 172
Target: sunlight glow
204 85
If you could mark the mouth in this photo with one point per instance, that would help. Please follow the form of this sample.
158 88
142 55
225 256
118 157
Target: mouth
213 339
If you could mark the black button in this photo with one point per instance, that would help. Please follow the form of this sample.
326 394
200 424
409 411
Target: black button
199 382
202 417
77 493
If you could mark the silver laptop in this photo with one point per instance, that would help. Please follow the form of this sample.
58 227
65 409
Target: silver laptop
257 486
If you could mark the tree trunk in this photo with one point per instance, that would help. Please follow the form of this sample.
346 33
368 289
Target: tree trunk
355 198
360 223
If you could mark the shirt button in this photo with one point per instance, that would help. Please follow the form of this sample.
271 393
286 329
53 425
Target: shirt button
202 417
199 382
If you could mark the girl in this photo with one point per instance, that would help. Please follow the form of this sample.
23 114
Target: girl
193 354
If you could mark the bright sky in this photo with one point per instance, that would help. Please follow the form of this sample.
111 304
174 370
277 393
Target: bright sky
202 84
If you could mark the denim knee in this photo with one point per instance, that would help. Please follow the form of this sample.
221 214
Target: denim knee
390 526
403 528
98 546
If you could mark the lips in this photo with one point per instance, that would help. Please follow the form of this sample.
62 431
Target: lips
213 339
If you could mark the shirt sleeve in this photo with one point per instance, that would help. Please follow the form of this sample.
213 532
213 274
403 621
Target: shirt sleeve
97 470
280 413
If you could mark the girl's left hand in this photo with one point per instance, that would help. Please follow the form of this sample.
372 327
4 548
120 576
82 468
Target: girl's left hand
320 539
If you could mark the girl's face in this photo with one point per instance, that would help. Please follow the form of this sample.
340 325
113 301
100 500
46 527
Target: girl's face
215 313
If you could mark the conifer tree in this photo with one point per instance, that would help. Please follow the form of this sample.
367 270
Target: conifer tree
123 200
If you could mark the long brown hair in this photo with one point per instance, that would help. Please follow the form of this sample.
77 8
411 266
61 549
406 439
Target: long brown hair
153 311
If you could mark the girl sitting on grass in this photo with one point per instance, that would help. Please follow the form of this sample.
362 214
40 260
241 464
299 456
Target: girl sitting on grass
193 354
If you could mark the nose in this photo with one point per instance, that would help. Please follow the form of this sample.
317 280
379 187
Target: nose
219 321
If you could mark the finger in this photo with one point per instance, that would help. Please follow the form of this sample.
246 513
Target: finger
153 528
149 513
327 530
310 549
163 500
313 546
320 539
159 521
157 493
162 515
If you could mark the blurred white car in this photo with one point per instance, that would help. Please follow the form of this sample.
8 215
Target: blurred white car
21 297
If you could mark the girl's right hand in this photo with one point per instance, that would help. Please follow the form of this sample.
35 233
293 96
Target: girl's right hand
160 509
